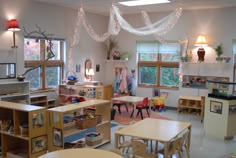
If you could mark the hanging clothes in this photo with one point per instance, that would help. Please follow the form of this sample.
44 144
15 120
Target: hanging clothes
123 81
116 83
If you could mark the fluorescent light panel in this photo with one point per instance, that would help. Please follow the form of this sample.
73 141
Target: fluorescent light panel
143 2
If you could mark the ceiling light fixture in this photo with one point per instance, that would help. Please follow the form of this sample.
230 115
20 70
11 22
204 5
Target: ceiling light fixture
143 2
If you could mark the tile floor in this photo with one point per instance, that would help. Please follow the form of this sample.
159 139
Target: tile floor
202 146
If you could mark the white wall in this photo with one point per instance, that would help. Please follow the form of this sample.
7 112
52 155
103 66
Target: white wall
218 25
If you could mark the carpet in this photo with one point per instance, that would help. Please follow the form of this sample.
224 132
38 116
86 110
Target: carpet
124 117
82 134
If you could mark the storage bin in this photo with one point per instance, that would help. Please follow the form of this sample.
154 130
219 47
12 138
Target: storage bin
24 131
93 138
78 144
82 122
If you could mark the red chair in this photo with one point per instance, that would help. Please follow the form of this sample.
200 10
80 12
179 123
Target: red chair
140 106
119 103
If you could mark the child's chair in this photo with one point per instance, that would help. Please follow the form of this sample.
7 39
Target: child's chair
159 99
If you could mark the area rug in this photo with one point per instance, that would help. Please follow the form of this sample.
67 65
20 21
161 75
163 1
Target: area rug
82 134
124 117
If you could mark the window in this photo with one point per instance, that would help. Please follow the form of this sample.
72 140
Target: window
48 75
158 64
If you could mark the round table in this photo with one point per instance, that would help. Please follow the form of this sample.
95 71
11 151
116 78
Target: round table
81 153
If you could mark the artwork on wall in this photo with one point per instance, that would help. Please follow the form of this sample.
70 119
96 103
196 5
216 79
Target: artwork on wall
57 137
232 109
216 107
77 68
39 144
97 68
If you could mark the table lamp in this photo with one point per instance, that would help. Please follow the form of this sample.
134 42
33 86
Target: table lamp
13 26
201 42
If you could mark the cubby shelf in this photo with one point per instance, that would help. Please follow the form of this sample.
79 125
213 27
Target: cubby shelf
56 124
22 127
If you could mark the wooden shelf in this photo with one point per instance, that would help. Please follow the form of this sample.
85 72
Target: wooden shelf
190 103
14 91
90 92
56 117
22 114
39 100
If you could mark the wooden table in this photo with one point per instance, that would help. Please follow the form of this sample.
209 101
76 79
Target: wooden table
154 129
129 99
81 153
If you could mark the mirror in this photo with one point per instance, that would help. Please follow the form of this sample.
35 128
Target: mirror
89 72
7 70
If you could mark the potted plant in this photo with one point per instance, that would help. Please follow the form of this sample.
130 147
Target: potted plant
219 52
110 45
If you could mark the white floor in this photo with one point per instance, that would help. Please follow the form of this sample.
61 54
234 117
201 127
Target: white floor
202 146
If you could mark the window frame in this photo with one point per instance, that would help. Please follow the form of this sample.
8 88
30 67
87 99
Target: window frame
53 63
158 63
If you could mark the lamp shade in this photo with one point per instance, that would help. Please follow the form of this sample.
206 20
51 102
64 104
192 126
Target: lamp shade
90 72
13 25
201 41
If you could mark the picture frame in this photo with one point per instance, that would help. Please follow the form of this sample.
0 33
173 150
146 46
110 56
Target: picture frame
38 144
216 107
57 137
232 109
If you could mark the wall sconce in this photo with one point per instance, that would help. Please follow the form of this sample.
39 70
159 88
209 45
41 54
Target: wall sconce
13 26
201 42
89 72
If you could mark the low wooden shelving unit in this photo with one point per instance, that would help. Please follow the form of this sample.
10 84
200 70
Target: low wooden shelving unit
23 130
86 91
57 131
191 104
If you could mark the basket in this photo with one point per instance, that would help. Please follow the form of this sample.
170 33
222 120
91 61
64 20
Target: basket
78 144
82 123
24 131
91 141
71 77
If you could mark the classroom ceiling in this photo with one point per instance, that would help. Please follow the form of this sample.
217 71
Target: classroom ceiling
103 6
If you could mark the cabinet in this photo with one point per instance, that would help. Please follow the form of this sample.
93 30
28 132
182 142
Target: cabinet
57 131
220 116
86 91
15 91
23 130
191 104
39 100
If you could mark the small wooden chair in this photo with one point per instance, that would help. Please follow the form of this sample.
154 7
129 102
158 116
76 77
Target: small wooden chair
184 141
139 150
174 147
122 143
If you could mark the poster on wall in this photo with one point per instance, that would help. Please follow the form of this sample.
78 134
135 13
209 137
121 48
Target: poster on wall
216 107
